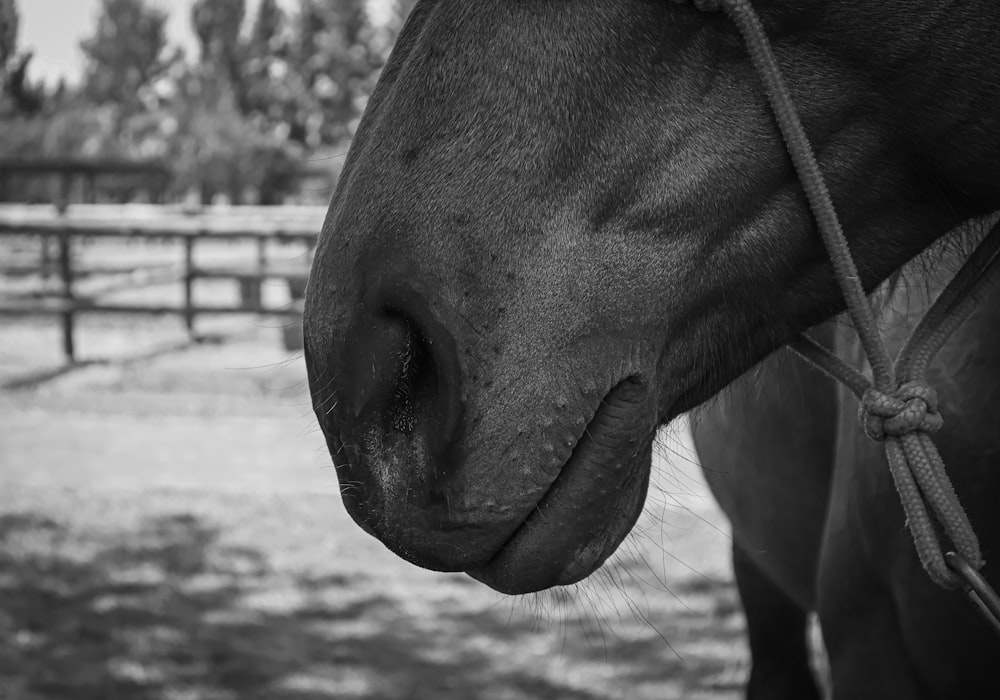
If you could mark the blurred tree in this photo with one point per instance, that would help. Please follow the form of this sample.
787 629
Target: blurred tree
384 36
8 31
217 25
242 120
17 95
306 77
22 97
333 55
233 101
267 28
274 91
125 53
219 150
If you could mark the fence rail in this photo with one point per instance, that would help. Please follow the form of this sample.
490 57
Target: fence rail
263 225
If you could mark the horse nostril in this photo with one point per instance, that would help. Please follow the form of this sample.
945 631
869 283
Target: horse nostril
415 382
400 370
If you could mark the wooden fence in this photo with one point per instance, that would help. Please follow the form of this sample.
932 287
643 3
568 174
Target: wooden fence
146 223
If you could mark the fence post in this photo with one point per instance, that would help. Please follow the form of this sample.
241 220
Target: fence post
46 257
297 292
251 285
261 271
189 283
64 185
66 275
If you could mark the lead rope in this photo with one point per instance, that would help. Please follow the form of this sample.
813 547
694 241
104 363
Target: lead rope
898 407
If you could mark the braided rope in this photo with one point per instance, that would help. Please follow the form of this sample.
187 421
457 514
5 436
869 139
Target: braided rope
897 407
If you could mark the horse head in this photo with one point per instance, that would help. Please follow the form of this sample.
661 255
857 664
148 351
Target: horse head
560 225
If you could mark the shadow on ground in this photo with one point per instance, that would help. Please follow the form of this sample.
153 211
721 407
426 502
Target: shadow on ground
168 610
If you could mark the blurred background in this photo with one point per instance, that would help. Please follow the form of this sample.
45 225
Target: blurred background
239 99
170 525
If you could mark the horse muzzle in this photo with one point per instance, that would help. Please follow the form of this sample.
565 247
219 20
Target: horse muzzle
521 508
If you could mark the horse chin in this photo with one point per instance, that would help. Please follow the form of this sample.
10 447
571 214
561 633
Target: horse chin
587 511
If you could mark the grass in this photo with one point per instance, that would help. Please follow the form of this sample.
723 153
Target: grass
168 529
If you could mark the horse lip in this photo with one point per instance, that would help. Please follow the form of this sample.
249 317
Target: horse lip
593 472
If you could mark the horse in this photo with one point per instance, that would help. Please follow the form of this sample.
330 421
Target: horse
562 225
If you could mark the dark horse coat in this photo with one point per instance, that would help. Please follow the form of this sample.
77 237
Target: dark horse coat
561 225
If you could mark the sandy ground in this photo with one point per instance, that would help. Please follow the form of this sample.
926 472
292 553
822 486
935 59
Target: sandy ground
170 528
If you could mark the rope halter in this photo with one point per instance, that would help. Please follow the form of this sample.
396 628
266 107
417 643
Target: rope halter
898 408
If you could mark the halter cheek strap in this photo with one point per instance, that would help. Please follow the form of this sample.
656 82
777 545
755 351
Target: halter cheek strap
898 407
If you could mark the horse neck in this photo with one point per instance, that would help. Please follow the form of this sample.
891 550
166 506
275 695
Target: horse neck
932 68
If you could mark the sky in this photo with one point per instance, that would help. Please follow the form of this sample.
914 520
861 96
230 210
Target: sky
54 28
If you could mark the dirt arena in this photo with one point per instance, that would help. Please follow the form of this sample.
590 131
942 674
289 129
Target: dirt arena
170 528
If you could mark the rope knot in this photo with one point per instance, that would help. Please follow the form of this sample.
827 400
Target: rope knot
913 407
